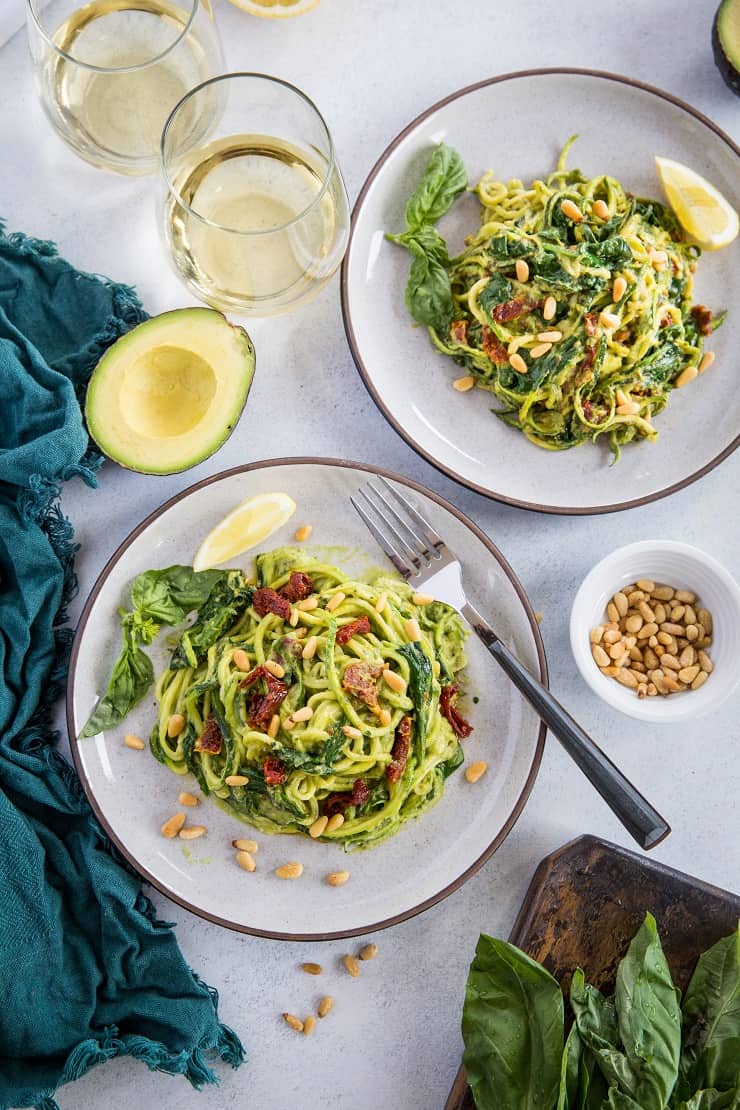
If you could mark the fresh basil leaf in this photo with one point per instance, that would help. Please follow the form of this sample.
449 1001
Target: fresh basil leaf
616 1100
596 1019
512 1027
711 1010
420 691
168 595
428 292
132 676
570 1067
228 599
712 1100
443 181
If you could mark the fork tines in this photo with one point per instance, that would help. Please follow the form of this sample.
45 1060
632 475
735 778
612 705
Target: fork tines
405 536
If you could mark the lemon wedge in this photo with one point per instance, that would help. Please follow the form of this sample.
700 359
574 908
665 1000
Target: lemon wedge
248 524
701 209
275 9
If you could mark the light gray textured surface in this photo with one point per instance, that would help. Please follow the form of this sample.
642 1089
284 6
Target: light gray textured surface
393 1040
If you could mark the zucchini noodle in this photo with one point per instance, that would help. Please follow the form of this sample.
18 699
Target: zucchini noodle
348 732
617 347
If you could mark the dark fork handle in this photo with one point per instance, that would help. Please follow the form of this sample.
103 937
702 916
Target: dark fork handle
636 814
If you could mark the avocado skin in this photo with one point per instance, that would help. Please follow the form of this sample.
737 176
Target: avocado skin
726 66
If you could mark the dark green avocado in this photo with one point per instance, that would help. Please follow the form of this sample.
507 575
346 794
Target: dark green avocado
726 42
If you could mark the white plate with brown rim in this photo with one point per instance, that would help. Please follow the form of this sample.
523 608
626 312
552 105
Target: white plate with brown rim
132 794
622 125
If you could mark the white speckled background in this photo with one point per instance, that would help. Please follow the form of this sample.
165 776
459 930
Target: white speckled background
393 1040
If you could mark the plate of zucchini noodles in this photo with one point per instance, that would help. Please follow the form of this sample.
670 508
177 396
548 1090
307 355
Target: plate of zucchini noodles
526 309
303 698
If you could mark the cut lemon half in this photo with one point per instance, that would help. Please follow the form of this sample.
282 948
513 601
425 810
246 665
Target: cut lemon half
248 524
275 9
701 209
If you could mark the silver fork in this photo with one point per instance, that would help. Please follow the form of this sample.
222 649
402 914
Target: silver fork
424 559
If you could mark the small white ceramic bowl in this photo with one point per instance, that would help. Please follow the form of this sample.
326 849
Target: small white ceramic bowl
681 566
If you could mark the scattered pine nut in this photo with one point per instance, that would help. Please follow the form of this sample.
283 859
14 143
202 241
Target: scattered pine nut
462 385
335 822
422 599
293 1022
549 308
631 408
382 601
549 336
172 826
134 742
540 349
308 604
175 725
394 680
309 1024
335 601
294 616
619 288
309 648
289 871
312 969
192 832
318 827
303 533
236 780
274 726
687 376
571 210
351 965
369 952
411 627
305 713
609 320
538 617
245 845
522 269
352 732
240 660
476 770
246 861
706 361
517 363
275 669
337 878
384 716
601 209
188 799
325 1006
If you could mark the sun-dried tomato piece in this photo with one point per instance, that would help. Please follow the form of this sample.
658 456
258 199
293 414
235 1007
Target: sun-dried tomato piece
400 750
510 310
263 705
459 331
357 796
591 321
494 348
274 771
298 586
359 679
267 601
360 627
210 739
447 699
703 318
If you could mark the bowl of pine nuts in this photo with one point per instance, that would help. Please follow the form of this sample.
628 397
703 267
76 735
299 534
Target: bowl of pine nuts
655 631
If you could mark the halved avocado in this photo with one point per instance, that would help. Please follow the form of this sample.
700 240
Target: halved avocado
167 394
726 42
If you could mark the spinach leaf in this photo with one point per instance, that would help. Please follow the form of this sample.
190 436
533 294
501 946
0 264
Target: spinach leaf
443 181
498 290
711 1010
570 1067
512 1027
130 679
227 600
318 762
712 1100
167 596
453 762
420 691
612 252
661 367
428 291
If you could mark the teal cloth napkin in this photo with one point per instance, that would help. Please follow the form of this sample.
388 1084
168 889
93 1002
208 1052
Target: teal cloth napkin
87 972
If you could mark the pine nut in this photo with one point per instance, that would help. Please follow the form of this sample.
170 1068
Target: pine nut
303 533
289 871
335 601
610 671
571 210
517 363
275 669
616 651
309 1025
352 732
384 717
600 656
325 1006
706 361
318 827
522 269
175 725
651 690
687 657
613 613
692 632
687 376
672 629
305 713
299 633
274 726
626 678
236 780
700 679
663 593
621 603
630 409
337 878
637 666
619 288
549 308
134 742
650 659
705 619
462 385
689 616
293 1022
664 638
411 627
172 826
657 258
647 630
192 832
596 634
669 661
382 601
308 604
635 596
351 965
636 655
395 681
476 770
240 659
369 952
661 614
187 799
309 649
645 584
549 336
688 674
245 845
294 617
633 623
647 613
422 599
335 822
705 662
600 209
245 860
642 690
686 596
653 641
540 349
312 969
609 320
